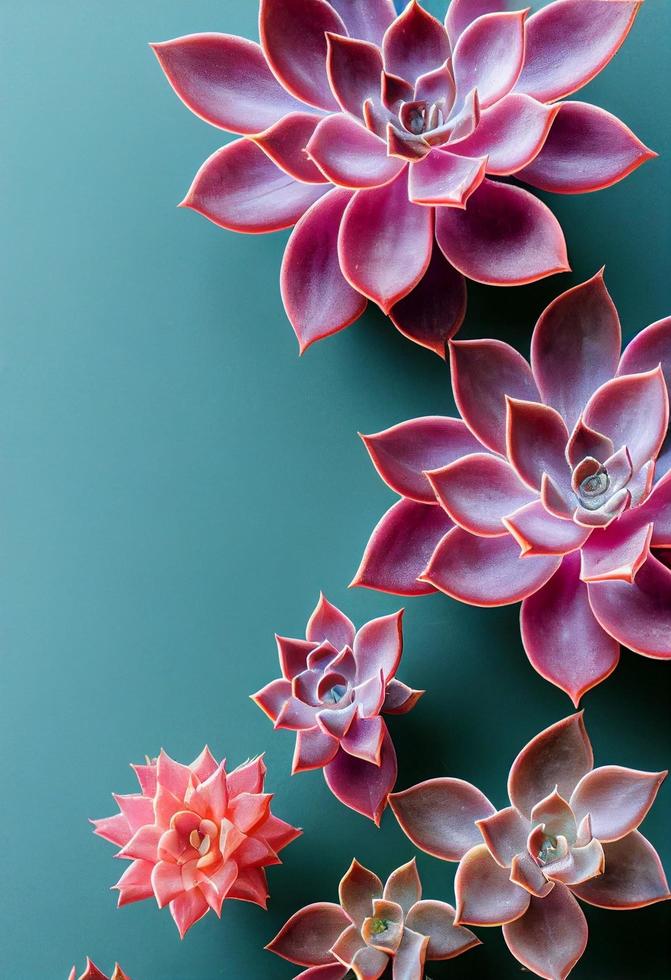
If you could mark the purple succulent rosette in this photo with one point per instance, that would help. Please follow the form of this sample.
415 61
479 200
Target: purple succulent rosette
335 685
554 488
372 927
383 138
570 832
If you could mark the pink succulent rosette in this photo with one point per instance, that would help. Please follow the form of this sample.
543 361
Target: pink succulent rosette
93 973
334 686
372 926
554 488
196 835
383 138
570 831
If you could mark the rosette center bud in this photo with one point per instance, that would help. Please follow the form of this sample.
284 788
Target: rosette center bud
335 693
549 850
595 485
378 926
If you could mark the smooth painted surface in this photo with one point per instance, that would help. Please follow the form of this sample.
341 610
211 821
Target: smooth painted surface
177 485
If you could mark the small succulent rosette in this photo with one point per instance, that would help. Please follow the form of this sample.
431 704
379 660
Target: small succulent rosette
196 836
371 928
383 138
570 832
93 973
334 687
553 488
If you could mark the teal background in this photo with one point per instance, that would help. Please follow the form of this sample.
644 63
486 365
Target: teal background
177 485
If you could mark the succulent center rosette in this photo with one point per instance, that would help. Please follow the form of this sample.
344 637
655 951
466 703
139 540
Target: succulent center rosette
335 685
554 488
372 928
196 835
389 140
570 832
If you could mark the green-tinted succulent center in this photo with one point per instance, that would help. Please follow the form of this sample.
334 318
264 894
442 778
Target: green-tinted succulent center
548 850
335 694
595 485
378 926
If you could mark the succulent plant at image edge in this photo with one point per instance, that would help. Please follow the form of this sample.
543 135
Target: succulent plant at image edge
93 973
196 836
374 927
335 685
554 488
570 832
390 140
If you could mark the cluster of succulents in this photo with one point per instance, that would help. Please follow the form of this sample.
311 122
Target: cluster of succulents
396 145
382 138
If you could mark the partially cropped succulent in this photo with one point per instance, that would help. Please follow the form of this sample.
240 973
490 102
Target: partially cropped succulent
196 836
384 138
554 488
570 832
93 973
334 686
372 927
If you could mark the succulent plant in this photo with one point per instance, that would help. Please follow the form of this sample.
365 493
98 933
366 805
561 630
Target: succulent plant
372 927
93 973
382 137
196 836
554 488
334 686
570 831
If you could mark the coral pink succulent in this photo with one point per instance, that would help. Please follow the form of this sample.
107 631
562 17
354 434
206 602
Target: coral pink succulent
555 489
333 688
570 831
384 137
196 835
93 973
371 926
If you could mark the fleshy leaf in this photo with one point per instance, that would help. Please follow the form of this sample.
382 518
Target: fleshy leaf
403 453
415 43
616 799
317 298
432 313
385 242
561 637
484 372
439 816
485 894
486 571
570 41
556 758
505 237
241 189
559 916
400 547
354 69
633 876
360 785
478 490
639 614
575 347
510 134
587 149
293 36
489 56
225 80
307 937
